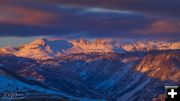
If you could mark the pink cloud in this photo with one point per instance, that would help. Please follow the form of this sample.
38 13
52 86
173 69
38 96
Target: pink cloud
20 15
162 27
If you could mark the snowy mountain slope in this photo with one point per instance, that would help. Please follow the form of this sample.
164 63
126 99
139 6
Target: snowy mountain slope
28 89
50 48
166 66
118 74
10 82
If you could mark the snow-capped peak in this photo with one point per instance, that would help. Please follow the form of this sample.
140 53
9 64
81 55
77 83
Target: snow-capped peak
99 45
43 48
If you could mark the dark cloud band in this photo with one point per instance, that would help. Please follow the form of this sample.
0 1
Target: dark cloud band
93 18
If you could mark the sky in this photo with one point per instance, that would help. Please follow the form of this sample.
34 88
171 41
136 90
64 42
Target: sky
24 20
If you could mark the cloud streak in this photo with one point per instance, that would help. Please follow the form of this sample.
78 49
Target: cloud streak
165 8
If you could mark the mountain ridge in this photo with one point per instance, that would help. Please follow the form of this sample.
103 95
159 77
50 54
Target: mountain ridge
50 48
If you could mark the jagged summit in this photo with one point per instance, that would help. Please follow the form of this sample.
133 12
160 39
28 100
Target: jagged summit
99 45
48 48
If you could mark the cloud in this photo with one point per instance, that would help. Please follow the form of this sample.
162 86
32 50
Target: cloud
79 18
161 27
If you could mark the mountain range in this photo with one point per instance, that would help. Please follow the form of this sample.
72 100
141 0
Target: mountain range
102 69
50 48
